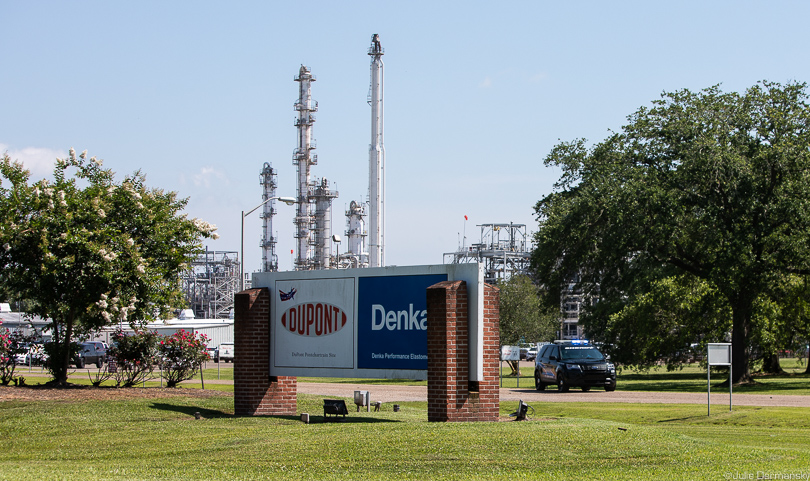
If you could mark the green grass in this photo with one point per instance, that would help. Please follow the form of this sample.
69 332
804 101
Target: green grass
160 439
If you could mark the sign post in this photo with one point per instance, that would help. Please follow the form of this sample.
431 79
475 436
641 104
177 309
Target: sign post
511 353
719 354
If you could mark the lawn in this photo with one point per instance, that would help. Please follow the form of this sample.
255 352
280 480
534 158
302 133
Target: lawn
160 438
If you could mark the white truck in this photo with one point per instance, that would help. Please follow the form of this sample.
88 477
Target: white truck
226 352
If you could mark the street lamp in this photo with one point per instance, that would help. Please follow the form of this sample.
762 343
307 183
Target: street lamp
286 200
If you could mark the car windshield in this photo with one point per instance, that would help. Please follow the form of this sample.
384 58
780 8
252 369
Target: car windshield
581 352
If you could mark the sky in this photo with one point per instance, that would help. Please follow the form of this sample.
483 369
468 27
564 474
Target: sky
199 95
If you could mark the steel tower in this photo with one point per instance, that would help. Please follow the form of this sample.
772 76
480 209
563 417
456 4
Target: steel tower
376 159
304 159
269 183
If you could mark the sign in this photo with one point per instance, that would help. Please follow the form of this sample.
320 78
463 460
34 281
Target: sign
510 353
314 323
392 321
364 323
718 354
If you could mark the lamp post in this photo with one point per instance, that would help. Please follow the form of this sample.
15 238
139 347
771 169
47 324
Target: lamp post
286 200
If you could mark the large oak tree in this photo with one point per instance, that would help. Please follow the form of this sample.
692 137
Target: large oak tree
704 197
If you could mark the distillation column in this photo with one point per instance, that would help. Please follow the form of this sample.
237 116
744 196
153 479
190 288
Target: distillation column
376 159
322 233
356 235
269 183
304 159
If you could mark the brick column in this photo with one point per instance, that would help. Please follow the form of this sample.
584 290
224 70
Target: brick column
255 393
451 395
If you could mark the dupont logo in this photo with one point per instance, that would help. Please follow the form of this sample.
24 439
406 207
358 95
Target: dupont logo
313 319
286 296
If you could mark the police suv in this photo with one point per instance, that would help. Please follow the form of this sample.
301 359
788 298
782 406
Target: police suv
573 363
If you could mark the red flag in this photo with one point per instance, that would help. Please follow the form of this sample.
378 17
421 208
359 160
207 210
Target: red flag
465 217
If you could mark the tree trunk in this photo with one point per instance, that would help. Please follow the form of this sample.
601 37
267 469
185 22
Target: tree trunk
61 373
807 369
515 366
740 335
770 364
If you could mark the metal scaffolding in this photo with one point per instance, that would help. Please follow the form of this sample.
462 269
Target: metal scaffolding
503 249
211 282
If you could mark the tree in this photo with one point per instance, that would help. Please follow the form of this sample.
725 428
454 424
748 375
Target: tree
522 315
709 189
88 252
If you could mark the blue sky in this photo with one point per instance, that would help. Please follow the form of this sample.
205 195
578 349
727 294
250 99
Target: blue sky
198 95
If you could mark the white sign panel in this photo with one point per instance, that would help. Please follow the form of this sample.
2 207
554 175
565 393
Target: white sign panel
719 354
314 333
510 353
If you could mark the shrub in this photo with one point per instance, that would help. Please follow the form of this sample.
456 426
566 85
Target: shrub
11 344
182 355
134 355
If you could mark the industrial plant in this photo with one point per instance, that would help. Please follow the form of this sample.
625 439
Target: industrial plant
214 277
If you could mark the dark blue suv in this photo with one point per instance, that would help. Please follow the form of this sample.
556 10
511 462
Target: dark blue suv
573 364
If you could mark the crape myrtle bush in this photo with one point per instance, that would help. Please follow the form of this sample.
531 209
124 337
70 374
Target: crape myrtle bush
87 250
182 354
11 344
137 355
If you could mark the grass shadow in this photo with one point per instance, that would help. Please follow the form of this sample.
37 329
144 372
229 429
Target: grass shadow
316 419
191 410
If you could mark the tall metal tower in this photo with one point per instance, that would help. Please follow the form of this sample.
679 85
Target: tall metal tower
269 183
304 159
376 159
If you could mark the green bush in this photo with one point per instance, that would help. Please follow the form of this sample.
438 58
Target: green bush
134 355
182 355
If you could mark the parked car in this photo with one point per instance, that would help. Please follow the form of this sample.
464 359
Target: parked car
531 354
569 364
226 352
91 352
213 353
34 354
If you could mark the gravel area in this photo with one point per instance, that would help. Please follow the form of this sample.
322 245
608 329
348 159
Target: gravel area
389 393
529 395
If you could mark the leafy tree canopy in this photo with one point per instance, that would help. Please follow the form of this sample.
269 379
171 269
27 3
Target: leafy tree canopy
522 315
87 251
688 220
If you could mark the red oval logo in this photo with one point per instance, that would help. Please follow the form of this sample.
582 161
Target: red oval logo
313 319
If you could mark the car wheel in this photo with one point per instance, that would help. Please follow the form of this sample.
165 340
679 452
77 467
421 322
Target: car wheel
562 386
586 388
538 384
80 363
100 363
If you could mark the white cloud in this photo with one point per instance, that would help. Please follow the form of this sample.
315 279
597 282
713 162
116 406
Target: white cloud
486 83
538 77
209 176
38 160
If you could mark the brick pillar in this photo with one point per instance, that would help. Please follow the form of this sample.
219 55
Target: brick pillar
451 395
489 388
255 393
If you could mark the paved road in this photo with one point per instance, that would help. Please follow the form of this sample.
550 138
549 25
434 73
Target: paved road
419 393
388 393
